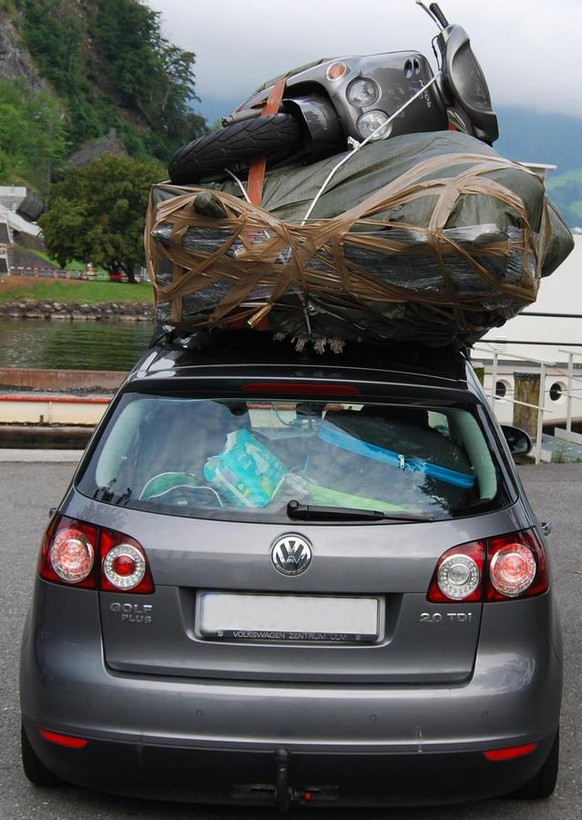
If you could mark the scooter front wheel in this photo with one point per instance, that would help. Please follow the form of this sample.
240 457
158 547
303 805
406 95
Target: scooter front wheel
276 137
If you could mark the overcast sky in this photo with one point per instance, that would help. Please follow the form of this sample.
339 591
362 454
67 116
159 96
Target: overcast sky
530 50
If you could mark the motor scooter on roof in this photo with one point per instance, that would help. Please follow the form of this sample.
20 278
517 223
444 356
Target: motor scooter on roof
317 110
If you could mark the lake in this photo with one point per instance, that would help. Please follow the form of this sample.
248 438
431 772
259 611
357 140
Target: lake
75 345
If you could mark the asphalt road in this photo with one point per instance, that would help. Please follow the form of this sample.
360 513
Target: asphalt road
28 490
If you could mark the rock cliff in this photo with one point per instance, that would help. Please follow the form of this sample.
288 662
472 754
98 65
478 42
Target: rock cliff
15 61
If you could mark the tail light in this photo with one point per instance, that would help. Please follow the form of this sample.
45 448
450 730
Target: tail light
459 573
78 554
518 566
500 569
124 565
68 553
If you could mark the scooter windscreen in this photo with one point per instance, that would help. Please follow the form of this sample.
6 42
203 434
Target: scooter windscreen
463 82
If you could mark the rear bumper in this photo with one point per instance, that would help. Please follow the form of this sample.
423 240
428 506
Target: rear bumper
263 777
202 739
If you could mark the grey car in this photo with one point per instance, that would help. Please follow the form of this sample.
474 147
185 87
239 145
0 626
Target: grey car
295 578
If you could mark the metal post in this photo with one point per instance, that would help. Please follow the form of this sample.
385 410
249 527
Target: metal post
540 423
526 402
569 396
494 377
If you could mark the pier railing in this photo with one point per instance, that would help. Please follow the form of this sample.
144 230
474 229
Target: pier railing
541 368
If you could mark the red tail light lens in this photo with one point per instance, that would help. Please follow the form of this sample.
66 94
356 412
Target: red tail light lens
68 553
71 556
124 564
504 568
517 566
71 551
301 388
459 573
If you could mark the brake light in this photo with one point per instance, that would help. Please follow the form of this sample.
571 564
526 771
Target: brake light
303 388
82 555
500 569
518 566
68 553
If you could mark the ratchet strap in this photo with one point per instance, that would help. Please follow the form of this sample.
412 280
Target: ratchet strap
258 167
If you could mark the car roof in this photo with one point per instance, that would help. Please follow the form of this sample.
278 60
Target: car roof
230 356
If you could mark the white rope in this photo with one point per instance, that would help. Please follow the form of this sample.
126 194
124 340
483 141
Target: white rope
355 145
240 185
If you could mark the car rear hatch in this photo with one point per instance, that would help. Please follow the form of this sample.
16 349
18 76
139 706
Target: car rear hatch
300 540
359 612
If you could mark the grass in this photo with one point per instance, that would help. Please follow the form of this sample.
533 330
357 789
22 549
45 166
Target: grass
70 291
560 454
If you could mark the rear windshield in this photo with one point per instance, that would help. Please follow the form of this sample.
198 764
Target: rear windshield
239 459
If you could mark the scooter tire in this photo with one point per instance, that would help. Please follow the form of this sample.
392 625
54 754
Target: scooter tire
276 137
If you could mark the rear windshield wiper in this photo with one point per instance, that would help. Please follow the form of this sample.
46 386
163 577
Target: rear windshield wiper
309 512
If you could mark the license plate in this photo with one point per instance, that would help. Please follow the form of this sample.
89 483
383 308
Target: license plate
300 618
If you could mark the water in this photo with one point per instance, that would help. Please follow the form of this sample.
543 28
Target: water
76 345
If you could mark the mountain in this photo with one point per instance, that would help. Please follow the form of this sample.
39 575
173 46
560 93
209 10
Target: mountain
552 139
534 137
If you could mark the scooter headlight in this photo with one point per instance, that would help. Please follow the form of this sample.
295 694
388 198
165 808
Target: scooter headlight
376 123
362 92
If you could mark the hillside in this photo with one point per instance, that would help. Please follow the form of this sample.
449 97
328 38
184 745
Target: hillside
89 72
553 139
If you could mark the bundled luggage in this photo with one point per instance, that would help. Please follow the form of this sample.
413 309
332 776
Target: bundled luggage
420 231
432 237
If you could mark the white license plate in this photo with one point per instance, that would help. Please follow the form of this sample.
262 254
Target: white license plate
302 618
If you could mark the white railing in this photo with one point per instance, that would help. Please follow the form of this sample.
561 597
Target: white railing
542 366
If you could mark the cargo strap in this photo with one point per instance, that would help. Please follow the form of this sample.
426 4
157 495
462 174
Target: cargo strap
339 438
258 168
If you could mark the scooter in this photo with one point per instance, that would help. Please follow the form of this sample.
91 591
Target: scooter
320 109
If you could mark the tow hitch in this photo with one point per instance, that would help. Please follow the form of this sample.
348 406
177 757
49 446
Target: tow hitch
281 794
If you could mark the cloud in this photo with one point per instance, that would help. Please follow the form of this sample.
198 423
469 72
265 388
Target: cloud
528 49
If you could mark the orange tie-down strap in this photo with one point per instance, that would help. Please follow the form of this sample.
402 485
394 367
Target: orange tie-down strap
258 167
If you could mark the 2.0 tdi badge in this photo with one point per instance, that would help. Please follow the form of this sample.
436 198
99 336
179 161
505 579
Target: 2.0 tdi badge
291 554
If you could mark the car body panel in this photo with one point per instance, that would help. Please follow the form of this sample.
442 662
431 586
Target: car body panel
497 706
262 717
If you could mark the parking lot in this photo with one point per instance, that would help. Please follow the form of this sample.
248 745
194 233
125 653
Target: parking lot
30 489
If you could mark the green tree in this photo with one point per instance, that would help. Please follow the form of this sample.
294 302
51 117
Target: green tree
97 213
32 135
148 73
111 67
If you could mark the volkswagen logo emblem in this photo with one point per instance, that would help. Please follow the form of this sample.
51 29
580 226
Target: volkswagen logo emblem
291 554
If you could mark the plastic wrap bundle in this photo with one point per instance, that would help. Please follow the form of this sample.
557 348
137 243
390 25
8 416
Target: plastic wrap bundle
428 237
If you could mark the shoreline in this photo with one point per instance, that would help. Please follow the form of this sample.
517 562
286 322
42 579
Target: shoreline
62 311
34 379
